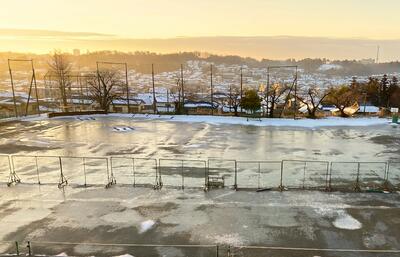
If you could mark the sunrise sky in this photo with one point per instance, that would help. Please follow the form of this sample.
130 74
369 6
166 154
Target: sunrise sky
160 19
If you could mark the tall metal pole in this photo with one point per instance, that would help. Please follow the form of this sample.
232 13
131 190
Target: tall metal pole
154 90
241 87
183 90
36 91
127 86
167 100
212 90
12 88
268 91
295 96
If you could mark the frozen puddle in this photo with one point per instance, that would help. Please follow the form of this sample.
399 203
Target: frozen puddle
345 221
123 129
146 225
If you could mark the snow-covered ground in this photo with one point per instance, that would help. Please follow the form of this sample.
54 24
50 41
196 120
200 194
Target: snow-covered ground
305 123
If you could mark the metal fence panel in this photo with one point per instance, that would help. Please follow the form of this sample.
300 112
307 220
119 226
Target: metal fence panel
305 174
5 168
259 251
223 168
137 250
183 173
343 175
258 174
74 170
372 175
96 170
393 175
134 171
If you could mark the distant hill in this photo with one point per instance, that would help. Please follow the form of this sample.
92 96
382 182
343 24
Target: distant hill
274 47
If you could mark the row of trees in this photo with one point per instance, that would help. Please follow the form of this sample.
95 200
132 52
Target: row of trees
383 92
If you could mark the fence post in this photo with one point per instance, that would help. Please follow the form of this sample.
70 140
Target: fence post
183 178
216 251
304 174
37 169
357 186
327 182
235 186
205 176
281 183
29 248
134 173
17 248
84 170
63 181
386 182
159 183
259 175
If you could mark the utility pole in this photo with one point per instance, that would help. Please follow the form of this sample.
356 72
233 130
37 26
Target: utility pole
267 91
212 90
36 91
154 90
183 90
167 100
377 55
295 96
127 86
241 87
230 98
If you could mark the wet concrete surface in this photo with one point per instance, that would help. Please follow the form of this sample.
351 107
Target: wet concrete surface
168 139
225 217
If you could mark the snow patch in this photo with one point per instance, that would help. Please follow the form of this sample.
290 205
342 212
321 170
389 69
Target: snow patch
346 221
146 225
124 255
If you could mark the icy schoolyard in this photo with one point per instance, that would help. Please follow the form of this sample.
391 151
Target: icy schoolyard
127 215
123 214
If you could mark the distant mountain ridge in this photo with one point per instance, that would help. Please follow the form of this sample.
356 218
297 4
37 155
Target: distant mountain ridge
259 47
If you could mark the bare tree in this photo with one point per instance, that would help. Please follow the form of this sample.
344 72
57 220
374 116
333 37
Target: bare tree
60 68
342 97
103 88
275 93
234 99
312 99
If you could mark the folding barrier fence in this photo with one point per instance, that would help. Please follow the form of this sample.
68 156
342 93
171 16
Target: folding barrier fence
5 168
262 251
258 174
393 175
61 170
357 175
38 248
183 173
304 174
221 171
135 171
213 173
